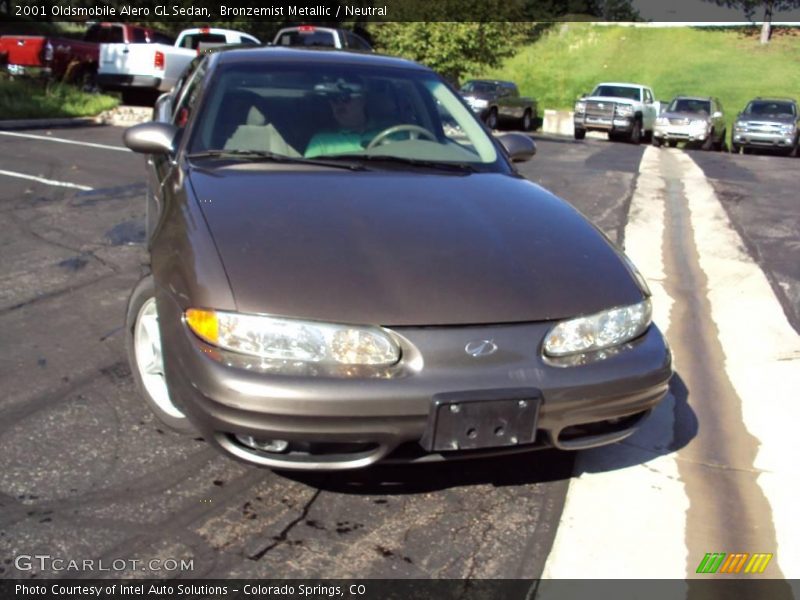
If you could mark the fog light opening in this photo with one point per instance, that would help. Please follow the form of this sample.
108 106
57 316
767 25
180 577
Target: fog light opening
276 446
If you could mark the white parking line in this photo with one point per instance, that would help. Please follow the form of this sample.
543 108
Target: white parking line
48 138
627 500
762 358
65 184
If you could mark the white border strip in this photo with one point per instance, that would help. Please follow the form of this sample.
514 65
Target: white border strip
48 138
65 184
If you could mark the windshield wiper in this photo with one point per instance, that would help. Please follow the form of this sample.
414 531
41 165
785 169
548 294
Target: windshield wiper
275 157
415 162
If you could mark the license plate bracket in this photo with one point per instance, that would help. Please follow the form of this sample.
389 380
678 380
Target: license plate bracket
475 420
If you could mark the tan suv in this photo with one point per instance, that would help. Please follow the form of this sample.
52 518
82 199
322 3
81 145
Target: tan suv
693 120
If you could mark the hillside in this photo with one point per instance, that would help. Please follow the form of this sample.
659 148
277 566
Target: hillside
569 59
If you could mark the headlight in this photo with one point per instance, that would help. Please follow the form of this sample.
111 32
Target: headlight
787 128
479 102
624 110
662 121
740 126
280 339
603 330
580 107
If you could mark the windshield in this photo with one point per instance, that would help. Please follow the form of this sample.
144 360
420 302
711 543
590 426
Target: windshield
478 87
771 109
617 91
689 105
301 110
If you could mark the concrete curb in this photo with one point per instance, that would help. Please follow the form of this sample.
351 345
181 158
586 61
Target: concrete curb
121 116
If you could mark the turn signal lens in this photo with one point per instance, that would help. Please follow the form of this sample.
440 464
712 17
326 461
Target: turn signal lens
204 324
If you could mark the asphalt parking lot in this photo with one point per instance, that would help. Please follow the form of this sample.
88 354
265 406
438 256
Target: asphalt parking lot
87 473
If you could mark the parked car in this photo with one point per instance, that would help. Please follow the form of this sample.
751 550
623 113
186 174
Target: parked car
68 59
692 119
144 70
338 279
497 101
768 123
623 110
308 36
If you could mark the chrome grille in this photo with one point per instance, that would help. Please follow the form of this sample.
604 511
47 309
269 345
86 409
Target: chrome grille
681 121
596 109
761 127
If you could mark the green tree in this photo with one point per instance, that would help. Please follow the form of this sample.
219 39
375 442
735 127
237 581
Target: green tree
770 7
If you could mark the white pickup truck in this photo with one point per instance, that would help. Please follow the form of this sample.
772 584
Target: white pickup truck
135 69
623 110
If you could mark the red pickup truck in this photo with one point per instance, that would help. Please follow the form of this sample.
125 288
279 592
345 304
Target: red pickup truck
67 59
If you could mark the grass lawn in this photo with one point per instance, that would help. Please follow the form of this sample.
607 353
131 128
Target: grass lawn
730 64
25 99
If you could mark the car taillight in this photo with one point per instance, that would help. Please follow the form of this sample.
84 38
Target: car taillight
158 61
306 28
205 29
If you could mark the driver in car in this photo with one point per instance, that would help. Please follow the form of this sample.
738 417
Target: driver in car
353 128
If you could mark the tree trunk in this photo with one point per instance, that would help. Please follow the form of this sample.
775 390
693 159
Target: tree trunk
766 26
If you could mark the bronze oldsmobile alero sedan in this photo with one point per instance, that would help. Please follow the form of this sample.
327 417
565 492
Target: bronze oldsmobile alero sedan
347 268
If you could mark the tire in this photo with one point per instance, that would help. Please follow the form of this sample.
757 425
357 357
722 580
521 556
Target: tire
141 329
491 119
636 132
672 143
720 145
580 133
735 148
795 152
526 122
708 143
657 142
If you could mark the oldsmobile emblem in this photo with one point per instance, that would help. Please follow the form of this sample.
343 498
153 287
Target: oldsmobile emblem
479 348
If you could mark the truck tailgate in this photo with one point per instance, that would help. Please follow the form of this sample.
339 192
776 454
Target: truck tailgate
129 59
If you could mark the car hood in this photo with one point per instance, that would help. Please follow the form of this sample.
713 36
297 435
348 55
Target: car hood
399 248
685 115
788 120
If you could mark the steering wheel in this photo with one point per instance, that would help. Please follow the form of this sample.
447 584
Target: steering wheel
411 129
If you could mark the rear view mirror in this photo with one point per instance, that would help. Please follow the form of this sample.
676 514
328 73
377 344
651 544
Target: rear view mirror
151 138
519 147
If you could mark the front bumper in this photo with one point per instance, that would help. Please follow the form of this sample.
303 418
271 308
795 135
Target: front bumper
680 133
610 124
110 82
765 140
341 422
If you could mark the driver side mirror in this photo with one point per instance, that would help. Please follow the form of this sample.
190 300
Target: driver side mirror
151 138
716 115
519 147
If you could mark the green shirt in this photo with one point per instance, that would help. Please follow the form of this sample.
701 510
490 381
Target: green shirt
338 142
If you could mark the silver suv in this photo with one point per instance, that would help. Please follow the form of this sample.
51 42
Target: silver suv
325 37
767 123
694 120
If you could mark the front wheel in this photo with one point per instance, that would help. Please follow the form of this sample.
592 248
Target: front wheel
491 119
708 143
636 133
657 142
672 143
143 340
580 133
526 123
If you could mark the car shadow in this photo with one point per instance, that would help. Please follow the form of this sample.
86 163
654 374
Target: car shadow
538 466
670 427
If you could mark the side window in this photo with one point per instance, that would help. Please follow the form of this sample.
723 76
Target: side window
138 36
93 34
357 43
648 97
116 34
187 97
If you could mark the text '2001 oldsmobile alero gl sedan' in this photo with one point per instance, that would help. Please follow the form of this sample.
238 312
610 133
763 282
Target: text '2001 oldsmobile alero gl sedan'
346 268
